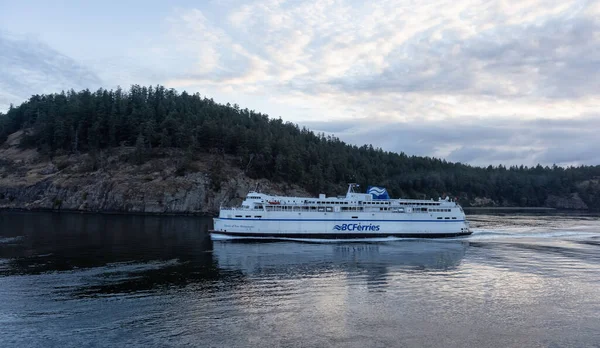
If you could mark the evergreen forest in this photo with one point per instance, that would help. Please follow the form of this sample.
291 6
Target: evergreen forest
150 118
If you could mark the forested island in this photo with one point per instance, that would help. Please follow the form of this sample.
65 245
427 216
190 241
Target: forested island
152 149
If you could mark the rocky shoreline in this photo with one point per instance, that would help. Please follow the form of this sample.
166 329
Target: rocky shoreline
108 182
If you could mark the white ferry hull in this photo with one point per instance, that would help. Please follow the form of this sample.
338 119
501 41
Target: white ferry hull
405 227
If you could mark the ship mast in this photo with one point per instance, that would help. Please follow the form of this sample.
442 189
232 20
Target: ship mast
351 187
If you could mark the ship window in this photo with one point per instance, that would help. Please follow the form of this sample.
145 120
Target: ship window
321 209
248 215
439 217
330 209
355 217
453 218
447 218
257 216
238 216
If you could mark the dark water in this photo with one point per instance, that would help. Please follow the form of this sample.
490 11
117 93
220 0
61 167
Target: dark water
69 280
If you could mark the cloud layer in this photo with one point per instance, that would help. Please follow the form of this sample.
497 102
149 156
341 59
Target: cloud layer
501 141
28 66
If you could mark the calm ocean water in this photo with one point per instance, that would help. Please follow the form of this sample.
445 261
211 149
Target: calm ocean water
74 280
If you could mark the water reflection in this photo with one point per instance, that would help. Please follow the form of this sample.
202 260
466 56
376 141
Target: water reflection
36 243
98 255
291 258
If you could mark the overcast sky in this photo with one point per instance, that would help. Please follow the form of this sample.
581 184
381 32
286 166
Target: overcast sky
480 82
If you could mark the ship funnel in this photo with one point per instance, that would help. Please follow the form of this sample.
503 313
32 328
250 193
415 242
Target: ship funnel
378 192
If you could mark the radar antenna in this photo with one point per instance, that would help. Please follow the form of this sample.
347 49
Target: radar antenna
351 187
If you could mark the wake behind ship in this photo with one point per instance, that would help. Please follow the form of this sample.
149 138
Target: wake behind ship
354 216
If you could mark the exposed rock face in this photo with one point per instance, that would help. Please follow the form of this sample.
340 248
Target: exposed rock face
73 183
483 202
573 202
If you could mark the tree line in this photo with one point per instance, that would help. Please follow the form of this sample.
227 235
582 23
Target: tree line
156 117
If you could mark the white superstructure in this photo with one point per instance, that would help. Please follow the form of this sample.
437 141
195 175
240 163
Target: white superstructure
356 215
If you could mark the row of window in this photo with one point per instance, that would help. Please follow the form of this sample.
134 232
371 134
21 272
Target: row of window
353 208
311 208
366 203
354 217
328 202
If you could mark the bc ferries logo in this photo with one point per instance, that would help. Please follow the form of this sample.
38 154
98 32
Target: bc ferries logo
356 227
378 192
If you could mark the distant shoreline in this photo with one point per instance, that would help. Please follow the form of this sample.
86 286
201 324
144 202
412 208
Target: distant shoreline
515 208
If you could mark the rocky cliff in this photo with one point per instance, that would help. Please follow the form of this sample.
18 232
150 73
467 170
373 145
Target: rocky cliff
168 182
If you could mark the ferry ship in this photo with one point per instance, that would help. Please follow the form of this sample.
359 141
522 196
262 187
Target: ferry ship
353 216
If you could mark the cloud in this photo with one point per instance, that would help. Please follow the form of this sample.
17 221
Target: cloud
501 141
28 66
554 58
530 52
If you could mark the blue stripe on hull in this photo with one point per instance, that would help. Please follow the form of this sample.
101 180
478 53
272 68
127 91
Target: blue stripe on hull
335 220
340 235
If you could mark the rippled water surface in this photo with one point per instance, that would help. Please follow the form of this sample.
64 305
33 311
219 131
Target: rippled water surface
70 280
